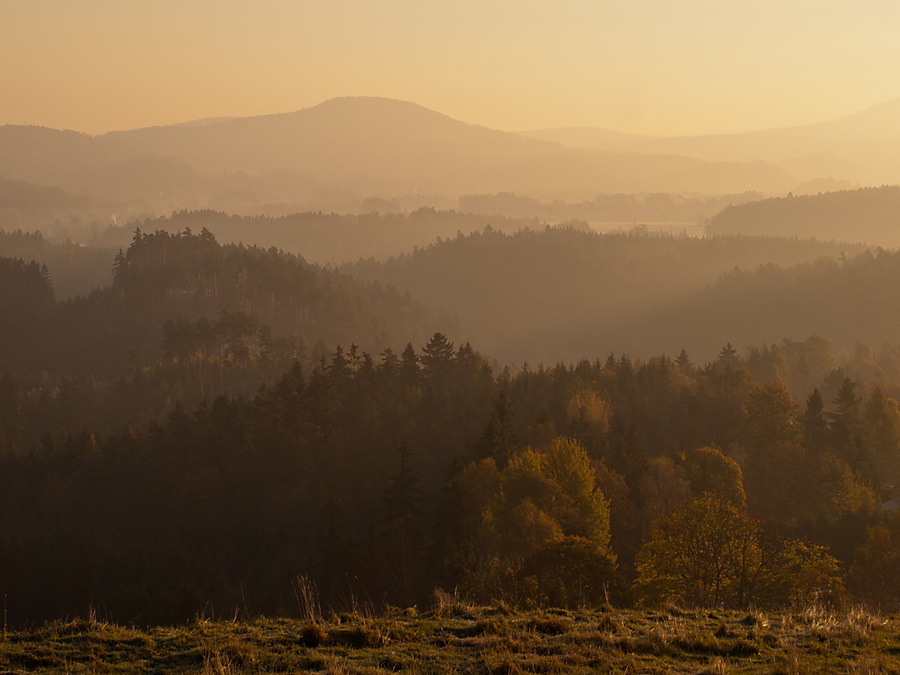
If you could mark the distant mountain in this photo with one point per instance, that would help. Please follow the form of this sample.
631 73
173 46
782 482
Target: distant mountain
87 165
17 195
870 215
860 147
366 145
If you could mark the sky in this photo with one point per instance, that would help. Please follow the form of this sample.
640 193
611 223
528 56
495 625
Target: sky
662 68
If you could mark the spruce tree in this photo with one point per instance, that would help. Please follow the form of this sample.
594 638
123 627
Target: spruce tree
815 426
499 438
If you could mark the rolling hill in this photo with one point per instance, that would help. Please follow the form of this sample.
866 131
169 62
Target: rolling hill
183 276
561 293
870 215
364 145
861 147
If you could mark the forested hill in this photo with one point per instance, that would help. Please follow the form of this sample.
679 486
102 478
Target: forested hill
252 294
73 269
870 215
16 195
562 293
329 237
852 300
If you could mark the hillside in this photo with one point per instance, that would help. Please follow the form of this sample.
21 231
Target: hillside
21 196
186 276
558 293
860 147
455 638
849 301
870 215
73 269
363 145
326 238
667 212
384 478
394 145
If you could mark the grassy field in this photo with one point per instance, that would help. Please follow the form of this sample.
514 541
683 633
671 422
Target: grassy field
461 639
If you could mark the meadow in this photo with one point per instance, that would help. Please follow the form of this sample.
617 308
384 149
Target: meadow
454 637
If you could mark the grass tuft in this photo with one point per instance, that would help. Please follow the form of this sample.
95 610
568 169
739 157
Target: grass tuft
550 625
478 640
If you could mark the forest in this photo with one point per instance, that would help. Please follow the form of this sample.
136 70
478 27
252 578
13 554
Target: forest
435 338
868 214
165 276
624 209
540 295
77 270
325 238
223 427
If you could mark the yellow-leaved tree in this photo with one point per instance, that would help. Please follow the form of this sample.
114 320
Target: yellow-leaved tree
711 553
545 534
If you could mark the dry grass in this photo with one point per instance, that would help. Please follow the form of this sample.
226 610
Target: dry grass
455 637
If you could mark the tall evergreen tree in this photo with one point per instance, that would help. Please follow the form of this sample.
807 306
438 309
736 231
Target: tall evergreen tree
409 366
499 439
844 425
401 541
437 356
728 358
815 425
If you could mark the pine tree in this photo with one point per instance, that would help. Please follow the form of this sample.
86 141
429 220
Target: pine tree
390 364
402 497
499 438
728 359
844 425
409 366
684 363
437 356
340 366
402 551
815 426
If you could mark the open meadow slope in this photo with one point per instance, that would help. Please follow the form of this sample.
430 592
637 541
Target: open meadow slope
459 638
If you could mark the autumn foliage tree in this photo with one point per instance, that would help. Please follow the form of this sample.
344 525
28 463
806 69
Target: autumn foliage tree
711 553
543 497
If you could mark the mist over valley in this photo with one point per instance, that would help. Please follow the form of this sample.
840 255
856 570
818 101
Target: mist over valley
377 338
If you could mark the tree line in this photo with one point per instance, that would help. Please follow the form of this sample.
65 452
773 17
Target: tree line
563 292
162 276
867 214
381 478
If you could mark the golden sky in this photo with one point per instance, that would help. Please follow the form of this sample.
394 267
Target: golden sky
653 67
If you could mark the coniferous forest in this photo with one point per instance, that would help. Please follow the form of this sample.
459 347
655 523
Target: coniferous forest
222 427
433 338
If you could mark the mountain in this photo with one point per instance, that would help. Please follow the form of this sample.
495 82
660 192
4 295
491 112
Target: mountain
364 145
861 147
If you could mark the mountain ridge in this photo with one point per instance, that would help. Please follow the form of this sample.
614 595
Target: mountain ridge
366 145
866 142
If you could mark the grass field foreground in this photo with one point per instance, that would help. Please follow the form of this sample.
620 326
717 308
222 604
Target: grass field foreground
457 638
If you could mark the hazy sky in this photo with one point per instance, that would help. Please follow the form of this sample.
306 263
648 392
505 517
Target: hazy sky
660 67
